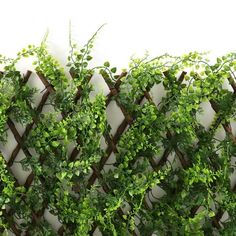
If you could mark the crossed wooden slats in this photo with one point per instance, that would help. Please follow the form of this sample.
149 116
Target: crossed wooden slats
19 146
128 120
20 140
111 141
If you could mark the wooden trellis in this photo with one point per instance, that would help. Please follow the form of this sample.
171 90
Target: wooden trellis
111 141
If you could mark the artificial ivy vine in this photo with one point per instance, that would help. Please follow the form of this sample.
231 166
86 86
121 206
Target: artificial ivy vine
197 185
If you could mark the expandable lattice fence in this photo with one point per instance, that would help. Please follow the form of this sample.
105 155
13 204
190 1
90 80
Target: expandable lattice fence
115 110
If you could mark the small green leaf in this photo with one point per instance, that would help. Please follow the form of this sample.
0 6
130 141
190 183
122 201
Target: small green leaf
71 164
113 70
55 143
63 175
76 164
89 58
218 60
107 64
211 214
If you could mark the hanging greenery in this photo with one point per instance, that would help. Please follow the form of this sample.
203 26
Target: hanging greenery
198 192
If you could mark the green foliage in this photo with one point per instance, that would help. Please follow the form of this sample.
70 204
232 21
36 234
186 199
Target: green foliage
7 190
196 183
16 97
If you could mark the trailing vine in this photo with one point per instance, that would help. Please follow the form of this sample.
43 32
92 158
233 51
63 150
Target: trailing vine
197 184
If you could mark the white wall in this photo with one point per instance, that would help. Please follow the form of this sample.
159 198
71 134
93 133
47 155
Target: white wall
133 26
